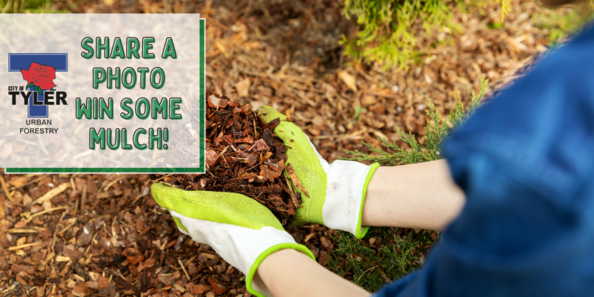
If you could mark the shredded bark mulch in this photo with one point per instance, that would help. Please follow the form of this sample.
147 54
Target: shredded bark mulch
104 235
243 156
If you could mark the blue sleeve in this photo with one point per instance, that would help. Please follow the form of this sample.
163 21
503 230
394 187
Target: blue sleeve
525 161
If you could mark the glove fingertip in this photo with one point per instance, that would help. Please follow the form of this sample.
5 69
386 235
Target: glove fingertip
158 192
268 114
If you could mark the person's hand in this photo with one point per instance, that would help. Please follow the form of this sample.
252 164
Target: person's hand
238 228
335 192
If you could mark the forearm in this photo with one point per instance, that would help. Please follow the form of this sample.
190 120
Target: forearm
291 273
412 196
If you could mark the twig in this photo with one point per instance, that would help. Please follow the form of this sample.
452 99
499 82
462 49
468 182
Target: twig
83 200
68 227
113 182
52 253
295 179
192 258
183 268
44 212
221 153
52 193
72 182
293 198
255 130
136 199
5 188
368 270
22 231
13 285
90 244
14 248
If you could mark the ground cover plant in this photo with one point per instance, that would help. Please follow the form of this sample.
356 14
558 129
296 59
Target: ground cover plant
387 254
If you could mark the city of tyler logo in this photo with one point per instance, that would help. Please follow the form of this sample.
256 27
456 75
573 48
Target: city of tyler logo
39 71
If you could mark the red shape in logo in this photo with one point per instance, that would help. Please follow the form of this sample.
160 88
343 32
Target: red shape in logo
39 75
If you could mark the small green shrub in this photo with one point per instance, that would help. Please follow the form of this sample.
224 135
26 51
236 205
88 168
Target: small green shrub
400 253
391 154
401 250
385 34
386 27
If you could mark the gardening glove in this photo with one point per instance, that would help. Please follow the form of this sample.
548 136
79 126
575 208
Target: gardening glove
334 193
238 228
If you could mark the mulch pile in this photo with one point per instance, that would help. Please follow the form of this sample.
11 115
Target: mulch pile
243 156
104 235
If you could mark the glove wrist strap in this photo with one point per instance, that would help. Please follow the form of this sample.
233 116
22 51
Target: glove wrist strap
266 253
345 195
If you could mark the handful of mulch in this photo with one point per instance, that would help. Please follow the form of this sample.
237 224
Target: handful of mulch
243 156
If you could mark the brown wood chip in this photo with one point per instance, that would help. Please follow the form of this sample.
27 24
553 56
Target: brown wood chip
295 179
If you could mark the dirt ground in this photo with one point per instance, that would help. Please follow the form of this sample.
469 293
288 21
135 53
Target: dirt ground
103 235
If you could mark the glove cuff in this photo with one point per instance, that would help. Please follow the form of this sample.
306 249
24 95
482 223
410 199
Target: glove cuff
345 196
266 253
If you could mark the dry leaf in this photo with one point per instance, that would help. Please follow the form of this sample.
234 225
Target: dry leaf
21 241
199 289
18 181
133 255
243 87
348 79
260 145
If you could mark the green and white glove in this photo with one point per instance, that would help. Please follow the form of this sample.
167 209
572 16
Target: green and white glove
336 192
238 228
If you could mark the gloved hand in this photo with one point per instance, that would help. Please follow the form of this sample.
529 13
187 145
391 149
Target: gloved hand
335 192
238 228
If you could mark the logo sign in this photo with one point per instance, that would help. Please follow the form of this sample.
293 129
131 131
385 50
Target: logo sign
109 93
39 71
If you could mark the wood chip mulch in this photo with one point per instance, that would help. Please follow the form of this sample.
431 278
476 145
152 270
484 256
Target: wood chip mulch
104 235
243 156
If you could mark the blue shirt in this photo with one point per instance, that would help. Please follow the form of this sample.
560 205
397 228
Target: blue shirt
525 161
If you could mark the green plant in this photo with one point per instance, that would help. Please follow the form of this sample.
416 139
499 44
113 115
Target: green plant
400 251
386 27
436 131
385 34
358 111
561 24
31 6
